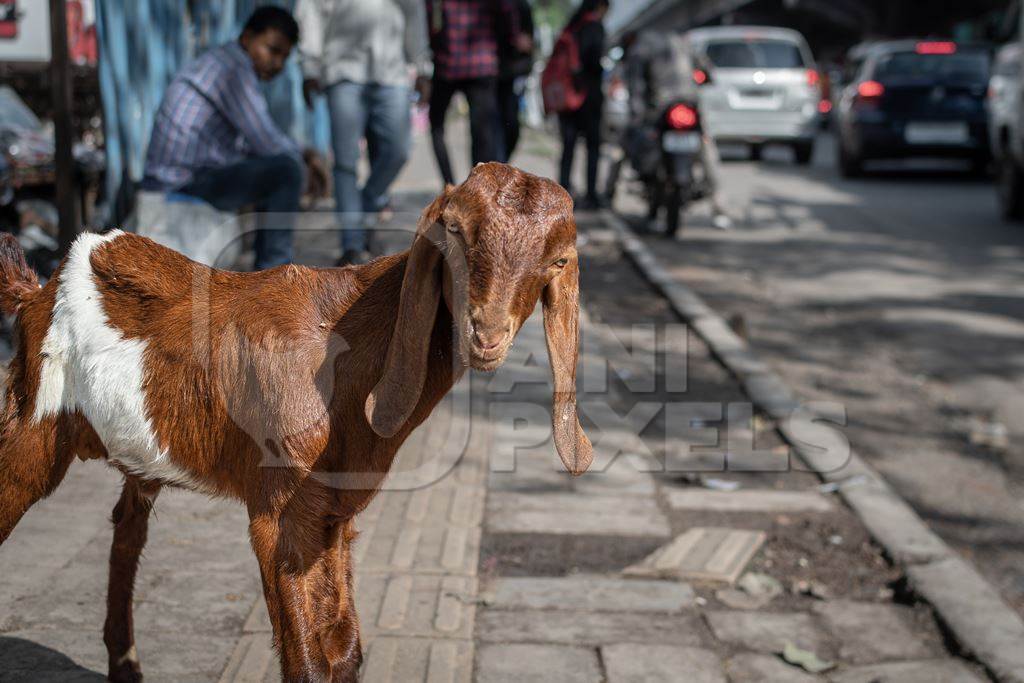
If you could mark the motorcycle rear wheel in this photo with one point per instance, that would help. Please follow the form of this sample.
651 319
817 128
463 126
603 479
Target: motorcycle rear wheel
673 211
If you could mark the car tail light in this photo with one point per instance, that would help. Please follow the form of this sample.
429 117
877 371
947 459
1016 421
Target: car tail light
813 78
870 89
942 47
824 107
700 77
681 117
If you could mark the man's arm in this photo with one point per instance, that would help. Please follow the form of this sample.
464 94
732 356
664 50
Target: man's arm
244 105
417 44
311 17
510 28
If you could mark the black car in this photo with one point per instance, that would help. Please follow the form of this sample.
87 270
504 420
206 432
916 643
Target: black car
914 98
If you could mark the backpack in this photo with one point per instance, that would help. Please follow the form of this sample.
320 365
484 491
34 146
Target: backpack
558 81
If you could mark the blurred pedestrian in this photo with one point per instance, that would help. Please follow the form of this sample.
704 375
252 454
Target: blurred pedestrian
588 31
464 38
361 54
513 68
213 137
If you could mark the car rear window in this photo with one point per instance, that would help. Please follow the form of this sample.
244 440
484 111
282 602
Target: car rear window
755 54
965 65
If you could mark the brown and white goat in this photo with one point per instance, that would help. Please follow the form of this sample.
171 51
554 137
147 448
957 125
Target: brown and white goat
109 364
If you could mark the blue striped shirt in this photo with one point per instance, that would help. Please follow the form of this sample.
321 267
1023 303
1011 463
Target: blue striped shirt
213 114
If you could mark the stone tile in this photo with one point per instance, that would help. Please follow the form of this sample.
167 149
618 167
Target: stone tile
403 660
748 501
751 668
167 655
868 633
590 594
40 654
416 605
537 471
403 605
627 475
432 530
767 631
631 663
587 628
253 660
573 514
702 554
930 671
518 663
386 659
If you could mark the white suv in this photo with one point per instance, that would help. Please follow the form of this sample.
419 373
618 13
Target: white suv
764 87
1004 124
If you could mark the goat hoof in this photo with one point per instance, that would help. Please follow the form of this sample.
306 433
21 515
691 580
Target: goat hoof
129 672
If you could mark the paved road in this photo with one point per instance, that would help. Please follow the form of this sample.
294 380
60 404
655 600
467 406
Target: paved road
902 296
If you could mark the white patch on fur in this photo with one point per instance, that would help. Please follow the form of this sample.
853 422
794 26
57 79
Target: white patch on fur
89 365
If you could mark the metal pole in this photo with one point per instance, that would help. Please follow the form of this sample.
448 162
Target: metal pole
60 82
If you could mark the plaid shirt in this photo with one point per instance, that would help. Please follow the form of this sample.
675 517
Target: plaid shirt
212 115
464 36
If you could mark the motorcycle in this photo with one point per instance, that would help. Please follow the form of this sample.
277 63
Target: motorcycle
680 178
666 150
666 155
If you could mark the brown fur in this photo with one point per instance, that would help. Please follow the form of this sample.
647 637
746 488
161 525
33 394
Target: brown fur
270 387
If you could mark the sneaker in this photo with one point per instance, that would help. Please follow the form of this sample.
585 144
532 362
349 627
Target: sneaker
355 257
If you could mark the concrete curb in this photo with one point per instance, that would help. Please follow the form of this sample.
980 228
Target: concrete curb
981 623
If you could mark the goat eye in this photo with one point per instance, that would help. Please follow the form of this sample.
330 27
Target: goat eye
562 262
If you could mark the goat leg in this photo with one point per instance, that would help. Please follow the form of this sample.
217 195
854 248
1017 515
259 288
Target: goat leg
340 639
290 567
131 527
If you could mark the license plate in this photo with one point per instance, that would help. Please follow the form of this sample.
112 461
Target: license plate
678 143
925 133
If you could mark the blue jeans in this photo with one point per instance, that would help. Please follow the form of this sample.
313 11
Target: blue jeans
272 184
381 114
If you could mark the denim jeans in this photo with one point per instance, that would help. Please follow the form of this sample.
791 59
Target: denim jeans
272 184
381 114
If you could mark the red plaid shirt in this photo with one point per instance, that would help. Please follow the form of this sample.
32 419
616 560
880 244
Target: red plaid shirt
464 36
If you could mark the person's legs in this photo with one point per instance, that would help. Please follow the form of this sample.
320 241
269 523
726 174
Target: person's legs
388 140
569 130
347 105
482 95
591 125
508 113
273 185
441 94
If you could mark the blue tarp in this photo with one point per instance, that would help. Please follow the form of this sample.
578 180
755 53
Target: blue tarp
142 45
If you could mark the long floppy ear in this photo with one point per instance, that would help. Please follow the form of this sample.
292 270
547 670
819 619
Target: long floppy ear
561 326
392 401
